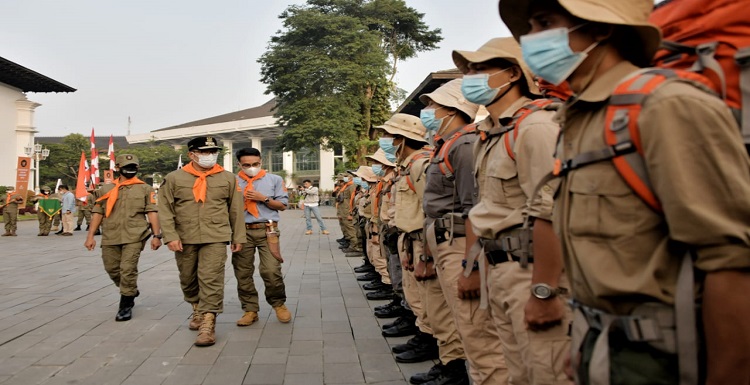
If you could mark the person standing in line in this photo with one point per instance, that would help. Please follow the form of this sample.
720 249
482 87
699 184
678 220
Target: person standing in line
10 202
311 202
68 210
84 210
264 196
200 211
45 220
127 212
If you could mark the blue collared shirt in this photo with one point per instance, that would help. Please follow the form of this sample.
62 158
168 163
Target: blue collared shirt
272 186
68 202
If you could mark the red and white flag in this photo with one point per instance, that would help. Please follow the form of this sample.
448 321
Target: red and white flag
111 152
94 161
83 174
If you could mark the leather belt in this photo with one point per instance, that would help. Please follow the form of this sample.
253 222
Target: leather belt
259 225
496 257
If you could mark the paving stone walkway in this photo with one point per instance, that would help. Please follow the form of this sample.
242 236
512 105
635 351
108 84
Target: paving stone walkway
57 326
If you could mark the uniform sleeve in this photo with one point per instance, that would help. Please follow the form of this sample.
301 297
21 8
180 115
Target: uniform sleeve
150 200
535 150
462 160
700 172
279 192
237 213
166 210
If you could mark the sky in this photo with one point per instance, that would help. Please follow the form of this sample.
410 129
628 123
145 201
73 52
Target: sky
168 62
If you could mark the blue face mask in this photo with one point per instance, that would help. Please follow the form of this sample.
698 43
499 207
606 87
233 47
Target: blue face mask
386 144
476 88
391 158
429 121
357 180
549 56
364 185
378 169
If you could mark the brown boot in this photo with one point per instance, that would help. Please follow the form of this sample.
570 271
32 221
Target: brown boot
283 314
207 331
13 233
248 318
7 234
195 322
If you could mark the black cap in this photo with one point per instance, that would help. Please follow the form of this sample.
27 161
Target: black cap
203 143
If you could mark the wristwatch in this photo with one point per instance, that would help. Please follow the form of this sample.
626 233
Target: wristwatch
544 291
158 236
266 200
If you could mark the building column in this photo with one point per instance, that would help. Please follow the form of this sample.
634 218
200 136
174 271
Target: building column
229 155
256 143
327 168
25 131
288 158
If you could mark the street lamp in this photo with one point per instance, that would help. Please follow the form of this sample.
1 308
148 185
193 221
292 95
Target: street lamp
38 154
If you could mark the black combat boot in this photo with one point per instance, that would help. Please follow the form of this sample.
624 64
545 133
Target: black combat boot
454 373
78 228
423 349
403 326
433 373
125 312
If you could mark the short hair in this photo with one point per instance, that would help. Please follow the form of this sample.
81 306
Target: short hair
63 186
413 144
307 180
247 151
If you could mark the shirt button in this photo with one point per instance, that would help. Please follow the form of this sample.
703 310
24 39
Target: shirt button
547 189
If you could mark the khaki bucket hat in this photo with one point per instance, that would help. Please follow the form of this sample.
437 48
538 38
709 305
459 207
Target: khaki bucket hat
505 48
633 13
379 157
408 126
450 95
366 173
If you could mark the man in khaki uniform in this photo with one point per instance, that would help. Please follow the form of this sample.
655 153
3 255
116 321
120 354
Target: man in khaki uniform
408 135
200 211
84 211
449 195
10 201
344 210
631 275
127 211
264 196
45 220
533 331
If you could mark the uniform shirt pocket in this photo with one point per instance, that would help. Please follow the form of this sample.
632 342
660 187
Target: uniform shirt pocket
501 182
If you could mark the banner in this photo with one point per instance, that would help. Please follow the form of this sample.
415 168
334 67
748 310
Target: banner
22 177
50 206
109 176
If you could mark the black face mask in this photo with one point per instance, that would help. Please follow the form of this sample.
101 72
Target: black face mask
128 172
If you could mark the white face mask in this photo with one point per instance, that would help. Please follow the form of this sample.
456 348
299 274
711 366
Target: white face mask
251 171
207 160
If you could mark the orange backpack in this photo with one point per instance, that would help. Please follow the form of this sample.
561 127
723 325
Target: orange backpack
711 38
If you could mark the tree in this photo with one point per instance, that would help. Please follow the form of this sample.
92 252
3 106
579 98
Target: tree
329 69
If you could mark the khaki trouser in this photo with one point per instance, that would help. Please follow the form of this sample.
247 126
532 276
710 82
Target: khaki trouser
270 271
350 233
121 263
378 260
480 338
532 357
441 321
10 217
56 219
45 222
83 214
201 269
68 220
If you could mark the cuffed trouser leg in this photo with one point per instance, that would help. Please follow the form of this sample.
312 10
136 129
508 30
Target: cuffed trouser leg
532 357
201 269
480 339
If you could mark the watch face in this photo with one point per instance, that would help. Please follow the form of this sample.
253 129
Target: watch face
542 291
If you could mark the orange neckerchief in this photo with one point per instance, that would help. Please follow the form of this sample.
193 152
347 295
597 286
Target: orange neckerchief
376 199
111 196
200 186
250 205
351 197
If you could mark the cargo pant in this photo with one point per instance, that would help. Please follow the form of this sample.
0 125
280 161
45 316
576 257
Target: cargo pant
349 228
376 256
270 271
532 357
10 217
84 214
121 263
479 336
45 223
56 220
201 269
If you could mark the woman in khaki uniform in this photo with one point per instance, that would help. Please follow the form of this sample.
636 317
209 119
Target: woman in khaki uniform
533 330
127 213
631 273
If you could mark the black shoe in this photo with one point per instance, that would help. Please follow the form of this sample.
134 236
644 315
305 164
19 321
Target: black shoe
407 318
366 268
59 232
377 285
368 277
454 373
78 228
432 374
396 302
380 295
422 353
125 311
391 312
419 339
401 329
341 240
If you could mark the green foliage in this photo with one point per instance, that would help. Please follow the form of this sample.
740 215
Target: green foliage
329 68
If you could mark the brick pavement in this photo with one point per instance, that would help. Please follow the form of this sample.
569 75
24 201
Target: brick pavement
57 326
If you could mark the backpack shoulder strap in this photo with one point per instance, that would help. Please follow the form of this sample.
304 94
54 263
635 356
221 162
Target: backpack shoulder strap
520 116
424 157
621 132
440 154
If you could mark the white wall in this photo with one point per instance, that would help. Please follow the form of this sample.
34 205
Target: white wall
9 145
